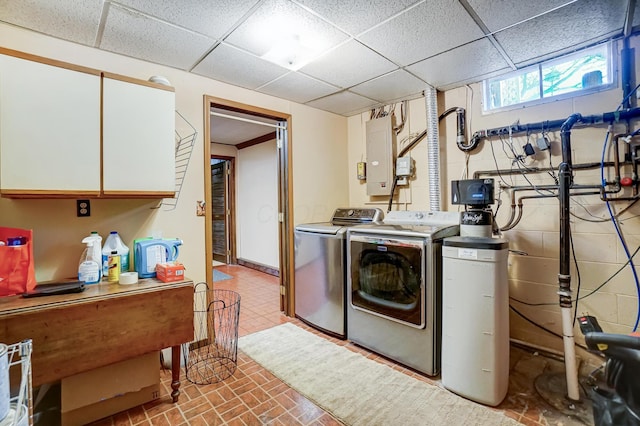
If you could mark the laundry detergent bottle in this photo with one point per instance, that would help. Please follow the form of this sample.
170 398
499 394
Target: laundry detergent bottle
150 252
114 243
90 265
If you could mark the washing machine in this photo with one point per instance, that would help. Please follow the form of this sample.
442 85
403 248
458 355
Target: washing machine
320 269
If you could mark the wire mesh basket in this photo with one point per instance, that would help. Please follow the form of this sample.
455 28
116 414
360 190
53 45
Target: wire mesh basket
213 356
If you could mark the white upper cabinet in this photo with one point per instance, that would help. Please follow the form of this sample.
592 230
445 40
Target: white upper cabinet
69 131
49 128
138 137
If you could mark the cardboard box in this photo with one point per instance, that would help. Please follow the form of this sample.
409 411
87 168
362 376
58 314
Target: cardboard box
102 392
172 271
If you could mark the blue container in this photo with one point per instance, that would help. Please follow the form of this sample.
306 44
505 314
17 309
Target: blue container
148 253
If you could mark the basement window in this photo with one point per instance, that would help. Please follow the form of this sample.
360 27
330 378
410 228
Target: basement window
587 71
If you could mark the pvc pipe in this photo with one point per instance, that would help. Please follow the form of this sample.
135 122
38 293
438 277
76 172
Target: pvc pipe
570 365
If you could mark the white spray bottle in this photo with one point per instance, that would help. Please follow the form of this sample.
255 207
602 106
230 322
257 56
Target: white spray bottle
90 268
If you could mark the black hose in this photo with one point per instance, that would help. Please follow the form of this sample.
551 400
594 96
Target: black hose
393 189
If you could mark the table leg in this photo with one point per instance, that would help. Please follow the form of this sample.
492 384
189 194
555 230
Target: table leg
175 372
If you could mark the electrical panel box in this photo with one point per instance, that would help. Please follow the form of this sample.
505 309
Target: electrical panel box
404 166
381 143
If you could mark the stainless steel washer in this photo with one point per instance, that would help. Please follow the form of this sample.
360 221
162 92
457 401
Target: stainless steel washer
320 269
394 289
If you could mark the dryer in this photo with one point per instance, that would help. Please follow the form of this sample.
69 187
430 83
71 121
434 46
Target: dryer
394 286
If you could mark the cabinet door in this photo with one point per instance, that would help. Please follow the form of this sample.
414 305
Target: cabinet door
49 129
138 146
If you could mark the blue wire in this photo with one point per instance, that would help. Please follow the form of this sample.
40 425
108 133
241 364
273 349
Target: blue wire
615 224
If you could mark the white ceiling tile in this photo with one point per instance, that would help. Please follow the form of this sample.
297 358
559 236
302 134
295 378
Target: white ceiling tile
233 66
137 35
348 64
276 19
460 64
423 31
298 88
357 15
343 103
395 85
499 14
73 20
554 33
211 18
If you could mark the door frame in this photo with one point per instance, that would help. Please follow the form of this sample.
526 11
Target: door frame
230 196
285 194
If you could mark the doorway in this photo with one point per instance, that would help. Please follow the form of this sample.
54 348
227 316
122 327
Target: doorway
224 122
222 210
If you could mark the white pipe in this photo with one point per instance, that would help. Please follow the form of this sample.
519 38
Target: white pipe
433 146
570 365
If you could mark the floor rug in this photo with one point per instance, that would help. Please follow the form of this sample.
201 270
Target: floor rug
357 390
220 276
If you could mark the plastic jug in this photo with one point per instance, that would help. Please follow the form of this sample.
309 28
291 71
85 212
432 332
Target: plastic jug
114 243
89 267
148 253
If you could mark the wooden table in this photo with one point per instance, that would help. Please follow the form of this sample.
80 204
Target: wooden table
104 324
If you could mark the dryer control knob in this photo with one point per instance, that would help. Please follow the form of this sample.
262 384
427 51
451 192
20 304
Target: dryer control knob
419 215
350 213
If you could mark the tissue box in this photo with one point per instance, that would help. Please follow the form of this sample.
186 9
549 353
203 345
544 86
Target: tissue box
171 271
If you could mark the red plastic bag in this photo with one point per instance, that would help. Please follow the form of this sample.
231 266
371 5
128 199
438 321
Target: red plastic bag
17 271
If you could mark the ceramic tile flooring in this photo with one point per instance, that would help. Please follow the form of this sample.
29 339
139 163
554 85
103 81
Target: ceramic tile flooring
253 396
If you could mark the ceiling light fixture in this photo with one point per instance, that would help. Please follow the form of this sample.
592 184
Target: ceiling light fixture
293 50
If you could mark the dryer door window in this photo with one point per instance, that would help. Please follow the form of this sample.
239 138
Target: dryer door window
387 278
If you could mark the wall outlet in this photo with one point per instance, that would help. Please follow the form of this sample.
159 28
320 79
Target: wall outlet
83 208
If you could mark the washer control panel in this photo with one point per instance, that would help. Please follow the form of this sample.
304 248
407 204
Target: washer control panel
354 215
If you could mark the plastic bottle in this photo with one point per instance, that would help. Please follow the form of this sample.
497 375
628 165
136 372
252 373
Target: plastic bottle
89 267
114 266
114 243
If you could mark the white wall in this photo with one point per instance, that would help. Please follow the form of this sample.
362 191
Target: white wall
320 182
533 278
257 204
57 232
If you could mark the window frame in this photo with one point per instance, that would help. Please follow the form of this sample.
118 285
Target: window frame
613 72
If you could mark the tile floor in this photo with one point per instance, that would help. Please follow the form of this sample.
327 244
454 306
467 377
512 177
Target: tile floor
253 396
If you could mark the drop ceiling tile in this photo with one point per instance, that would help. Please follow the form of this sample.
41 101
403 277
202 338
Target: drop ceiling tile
73 20
396 85
461 64
277 19
137 35
298 88
231 65
576 25
357 15
423 31
343 103
210 18
499 14
348 64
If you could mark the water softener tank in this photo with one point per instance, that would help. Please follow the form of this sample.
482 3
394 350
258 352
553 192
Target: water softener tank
475 318
148 253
